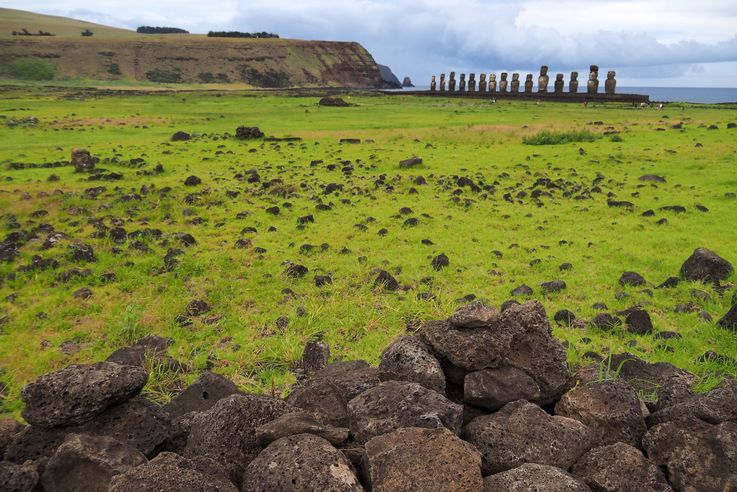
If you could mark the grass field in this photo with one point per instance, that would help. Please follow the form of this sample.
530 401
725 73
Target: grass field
15 20
497 234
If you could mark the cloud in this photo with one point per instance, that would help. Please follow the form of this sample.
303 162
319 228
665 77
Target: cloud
648 38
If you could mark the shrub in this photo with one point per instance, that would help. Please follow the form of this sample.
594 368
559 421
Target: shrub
31 69
546 137
160 30
164 76
87 33
113 69
616 138
238 34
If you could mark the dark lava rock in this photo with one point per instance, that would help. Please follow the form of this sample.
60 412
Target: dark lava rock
564 317
8 429
386 280
299 423
638 321
534 477
88 463
473 315
296 271
413 459
201 395
227 431
669 283
327 393
632 278
408 358
192 181
706 266
522 290
667 382
169 471
180 136
82 161
729 320
323 280
611 410
553 286
439 262
78 393
524 433
17 478
333 101
83 293
653 178
493 388
303 462
520 338
411 162
248 132
81 252
620 466
151 346
605 321
395 404
197 307
695 455
315 357
716 406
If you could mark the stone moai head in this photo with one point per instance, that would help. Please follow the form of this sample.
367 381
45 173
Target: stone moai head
528 77
574 76
528 83
432 80
463 76
544 70
559 82
433 84
610 75
593 72
515 76
492 77
610 85
504 76
573 84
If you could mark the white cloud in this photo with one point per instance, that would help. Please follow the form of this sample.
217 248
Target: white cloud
642 39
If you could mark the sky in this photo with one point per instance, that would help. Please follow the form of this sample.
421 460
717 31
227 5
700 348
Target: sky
650 43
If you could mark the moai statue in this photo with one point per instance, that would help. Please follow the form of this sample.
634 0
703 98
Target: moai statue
482 83
528 84
492 83
442 82
462 83
503 83
472 82
433 84
515 83
559 83
593 83
452 82
543 79
573 84
610 85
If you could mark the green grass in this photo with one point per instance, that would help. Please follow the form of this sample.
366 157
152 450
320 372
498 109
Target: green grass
246 289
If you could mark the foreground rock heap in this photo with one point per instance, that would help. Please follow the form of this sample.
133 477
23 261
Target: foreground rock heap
480 401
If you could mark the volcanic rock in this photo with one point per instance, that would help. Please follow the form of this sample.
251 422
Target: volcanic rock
409 359
534 477
717 406
620 467
299 423
706 266
201 395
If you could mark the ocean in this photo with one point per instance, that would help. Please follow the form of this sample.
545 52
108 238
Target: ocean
673 94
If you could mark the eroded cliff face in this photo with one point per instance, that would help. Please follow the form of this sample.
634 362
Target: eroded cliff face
192 59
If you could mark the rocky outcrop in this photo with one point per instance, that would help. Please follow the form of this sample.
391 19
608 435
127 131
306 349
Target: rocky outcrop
620 467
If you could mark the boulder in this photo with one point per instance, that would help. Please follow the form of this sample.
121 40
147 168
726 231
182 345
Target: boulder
522 432
315 356
328 391
302 462
78 393
534 477
638 321
386 280
395 404
201 395
151 347
474 315
248 132
412 459
493 388
180 136
610 409
299 423
409 359
706 266
619 466
696 455
34 443
632 278
227 432
333 101
169 471
82 161
17 478
520 338
717 406
88 463
9 428
729 320
667 383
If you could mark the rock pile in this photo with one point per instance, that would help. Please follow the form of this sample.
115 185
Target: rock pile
480 401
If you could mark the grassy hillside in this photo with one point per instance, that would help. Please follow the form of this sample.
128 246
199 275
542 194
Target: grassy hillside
15 20
368 214
120 55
